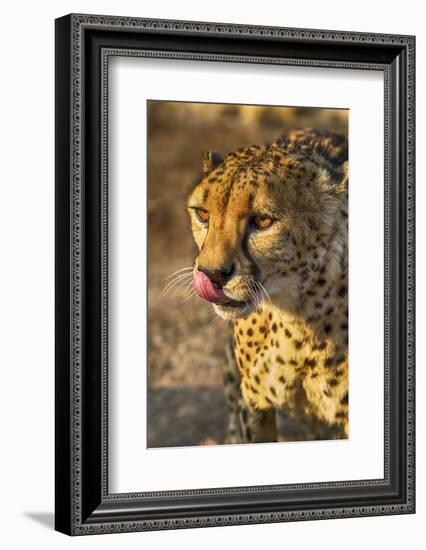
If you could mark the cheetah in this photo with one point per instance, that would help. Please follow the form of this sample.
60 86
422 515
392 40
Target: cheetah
271 226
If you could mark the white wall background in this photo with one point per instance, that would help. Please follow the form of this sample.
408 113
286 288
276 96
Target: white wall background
26 287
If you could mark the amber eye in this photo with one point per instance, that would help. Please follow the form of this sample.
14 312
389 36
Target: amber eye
262 222
202 215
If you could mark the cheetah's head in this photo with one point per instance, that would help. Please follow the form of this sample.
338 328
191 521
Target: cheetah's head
262 220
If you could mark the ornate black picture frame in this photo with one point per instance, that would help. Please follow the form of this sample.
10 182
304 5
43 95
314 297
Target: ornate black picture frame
84 44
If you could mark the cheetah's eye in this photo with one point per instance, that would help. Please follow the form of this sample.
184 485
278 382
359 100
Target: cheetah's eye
262 222
202 215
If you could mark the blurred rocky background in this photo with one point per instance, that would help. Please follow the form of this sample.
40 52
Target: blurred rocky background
186 404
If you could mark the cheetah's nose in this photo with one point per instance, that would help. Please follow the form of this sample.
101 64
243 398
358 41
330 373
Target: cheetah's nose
219 275
208 289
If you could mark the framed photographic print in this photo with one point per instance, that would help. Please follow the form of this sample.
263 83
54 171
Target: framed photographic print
234 274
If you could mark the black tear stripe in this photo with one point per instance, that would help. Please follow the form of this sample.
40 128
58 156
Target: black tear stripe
232 181
205 195
254 267
250 201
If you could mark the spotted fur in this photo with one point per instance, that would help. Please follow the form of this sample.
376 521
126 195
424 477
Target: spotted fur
290 281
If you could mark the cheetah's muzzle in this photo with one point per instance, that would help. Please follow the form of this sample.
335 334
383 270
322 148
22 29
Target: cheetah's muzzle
212 292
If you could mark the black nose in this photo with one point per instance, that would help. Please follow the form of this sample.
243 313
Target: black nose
220 275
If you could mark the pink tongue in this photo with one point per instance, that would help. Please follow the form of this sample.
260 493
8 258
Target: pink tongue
205 288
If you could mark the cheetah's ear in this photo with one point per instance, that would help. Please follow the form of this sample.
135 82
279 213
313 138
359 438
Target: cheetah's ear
211 160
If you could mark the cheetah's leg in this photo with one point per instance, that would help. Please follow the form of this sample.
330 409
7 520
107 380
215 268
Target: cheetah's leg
257 426
232 383
245 424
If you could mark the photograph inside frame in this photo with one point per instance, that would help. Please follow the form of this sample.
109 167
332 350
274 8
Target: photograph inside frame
247 273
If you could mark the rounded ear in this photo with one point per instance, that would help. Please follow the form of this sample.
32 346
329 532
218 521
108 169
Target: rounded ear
211 160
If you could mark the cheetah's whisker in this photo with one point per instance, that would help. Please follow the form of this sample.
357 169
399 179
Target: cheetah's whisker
177 272
264 291
192 295
181 286
187 290
175 285
259 298
211 315
174 282
253 296
178 278
260 291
